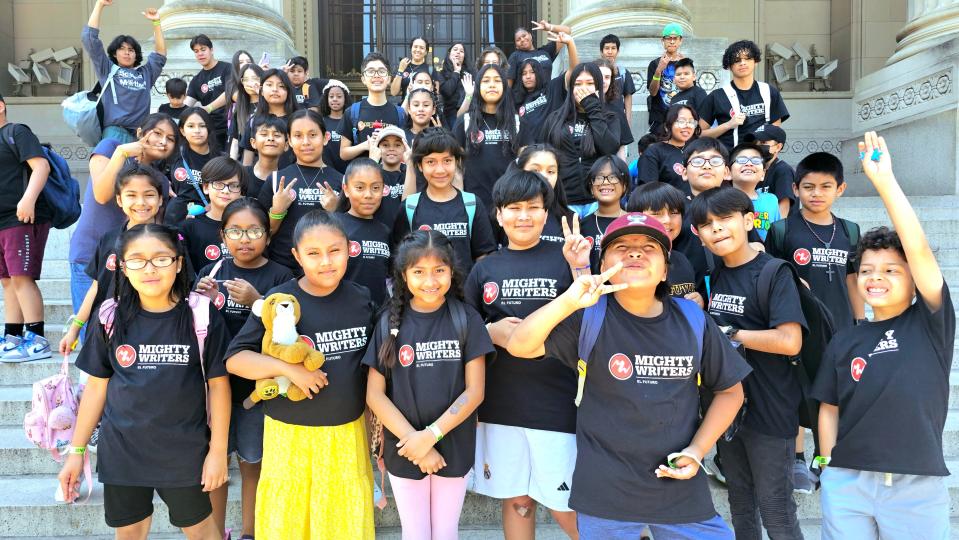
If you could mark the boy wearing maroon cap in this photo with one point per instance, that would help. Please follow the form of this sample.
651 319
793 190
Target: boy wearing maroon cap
639 441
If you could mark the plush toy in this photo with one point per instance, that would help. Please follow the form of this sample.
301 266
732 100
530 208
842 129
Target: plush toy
280 313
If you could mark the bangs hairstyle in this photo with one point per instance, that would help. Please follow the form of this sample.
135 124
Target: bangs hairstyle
300 61
556 123
317 218
244 102
721 201
153 176
207 120
373 57
560 206
519 91
505 114
309 114
686 62
738 48
175 87
411 249
672 115
503 63
609 38
325 109
202 39
128 299
762 150
246 203
655 197
289 106
616 165
269 121
518 185
118 42
822 163
221 169
435 140
152 121
356 166
645 141
704 144
878 239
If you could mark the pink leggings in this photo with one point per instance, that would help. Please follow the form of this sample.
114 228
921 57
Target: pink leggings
429 508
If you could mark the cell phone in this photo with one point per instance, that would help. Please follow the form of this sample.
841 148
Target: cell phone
265 58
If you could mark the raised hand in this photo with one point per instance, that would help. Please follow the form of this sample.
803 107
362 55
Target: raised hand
151 14
404 63
559 37
576 248
875 158
284 196
541 24
328 196
467 82
586 290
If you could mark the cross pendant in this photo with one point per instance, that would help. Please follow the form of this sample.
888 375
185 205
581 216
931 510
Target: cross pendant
829 272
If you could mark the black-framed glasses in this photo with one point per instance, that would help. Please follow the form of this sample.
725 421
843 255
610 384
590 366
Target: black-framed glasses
161 261
715 161
234 187
755 160
601 179
253 233
382 72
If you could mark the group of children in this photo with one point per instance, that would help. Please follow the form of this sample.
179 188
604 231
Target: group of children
438 262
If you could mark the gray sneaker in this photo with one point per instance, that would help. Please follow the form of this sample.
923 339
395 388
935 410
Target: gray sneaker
801 481
33 347
9 343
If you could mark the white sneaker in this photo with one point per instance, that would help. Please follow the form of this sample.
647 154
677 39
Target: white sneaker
33 347
9 343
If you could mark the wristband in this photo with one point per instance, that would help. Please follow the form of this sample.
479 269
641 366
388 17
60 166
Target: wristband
79 450
586 268
277 217
75 322
156 23
123 153
821 461
469 97
656 77
435 430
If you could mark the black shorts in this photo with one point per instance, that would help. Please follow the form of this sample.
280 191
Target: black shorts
126 505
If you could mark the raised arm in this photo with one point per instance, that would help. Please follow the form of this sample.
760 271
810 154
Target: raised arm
159 43
94 20
877 164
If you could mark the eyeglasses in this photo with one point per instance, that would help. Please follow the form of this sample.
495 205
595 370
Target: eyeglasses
161 261
382 72
715 161
253 233
685 123
234 187
742 160
601 179
672 38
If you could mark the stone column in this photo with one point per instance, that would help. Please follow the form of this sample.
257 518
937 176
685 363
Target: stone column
931 22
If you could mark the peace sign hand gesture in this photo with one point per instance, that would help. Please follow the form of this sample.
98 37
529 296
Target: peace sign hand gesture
586 290
577 248
283 197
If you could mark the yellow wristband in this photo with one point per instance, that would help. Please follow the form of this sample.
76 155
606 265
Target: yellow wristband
156 23
77 450
656 77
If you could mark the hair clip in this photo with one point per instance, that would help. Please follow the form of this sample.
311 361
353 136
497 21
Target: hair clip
394 332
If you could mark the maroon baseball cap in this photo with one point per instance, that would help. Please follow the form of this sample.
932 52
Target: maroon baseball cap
637 223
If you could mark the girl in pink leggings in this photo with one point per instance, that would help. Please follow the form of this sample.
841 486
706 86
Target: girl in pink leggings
427 378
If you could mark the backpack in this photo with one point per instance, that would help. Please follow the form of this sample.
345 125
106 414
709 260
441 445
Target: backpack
80 111
458 314
355 118
199 305
469 200
62 190
820 328
730 92
776 237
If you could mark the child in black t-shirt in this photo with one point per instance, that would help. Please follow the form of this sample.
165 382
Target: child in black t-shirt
234 284
780 176
884 385
270 142
186 173
608 181
222 185
358 135
333 103
316 480
757 460
428 373
363 191
390 151
150 367
638 429
175 95
541 158
688 92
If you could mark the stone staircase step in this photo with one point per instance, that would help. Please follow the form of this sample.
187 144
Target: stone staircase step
26 373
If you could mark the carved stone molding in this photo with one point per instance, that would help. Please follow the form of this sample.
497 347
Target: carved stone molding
800 147
919 92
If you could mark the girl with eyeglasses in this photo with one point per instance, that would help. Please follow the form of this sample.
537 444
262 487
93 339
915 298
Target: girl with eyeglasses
607 181
234 283
223 183
663 161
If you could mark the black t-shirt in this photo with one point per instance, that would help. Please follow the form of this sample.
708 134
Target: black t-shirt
308 186
331 152
817 264
890 380
255 182
428 375
206 86
693 96
593 227
544 55
234 314
449 217
14 174
663 162
174 113
534 394
411 70
338 325
625 134
315 92
772 389
369 263
659 103
717 107
640 404
553 231
371 118
103 265
186 169
483 166
692 247
625 87
394 183
203 242
154 430
681 276
533 110
779 181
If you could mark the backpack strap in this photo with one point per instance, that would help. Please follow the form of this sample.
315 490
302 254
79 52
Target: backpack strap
109 83
200 308
776 237
354 118
469 200
766 94
764 283
696 318
588 332
852 232
401 116
734 103
193 181
411 202
458 313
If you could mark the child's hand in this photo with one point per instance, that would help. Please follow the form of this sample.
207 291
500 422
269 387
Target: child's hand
69 477
329 197
501 330
736 120
586 290
580 93
696 297
68 339
467 81
207 285
875 158
686 467
576 249
310 382
416 445
241 291
214 471
284 196
432 463
151 14
559 37
132 149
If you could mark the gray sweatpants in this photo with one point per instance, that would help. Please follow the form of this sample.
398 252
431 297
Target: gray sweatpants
870 505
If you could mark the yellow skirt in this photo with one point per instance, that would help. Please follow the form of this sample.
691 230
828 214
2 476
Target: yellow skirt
316 483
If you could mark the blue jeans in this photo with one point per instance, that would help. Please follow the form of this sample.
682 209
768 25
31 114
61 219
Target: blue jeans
584 209
79 284
246 433
595 528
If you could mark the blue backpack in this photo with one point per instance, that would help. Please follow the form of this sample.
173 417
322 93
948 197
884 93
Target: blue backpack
469 201
355 117
62 190
593 319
